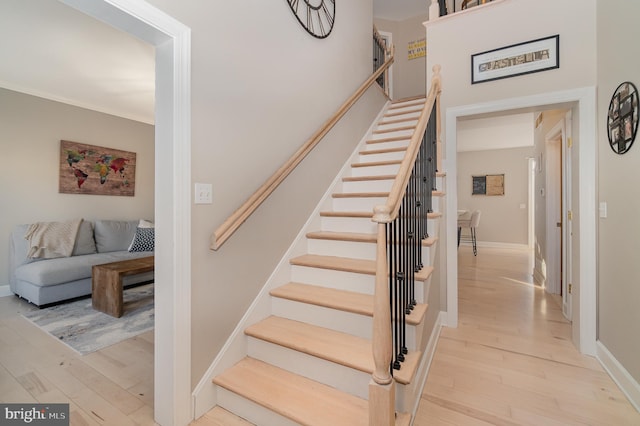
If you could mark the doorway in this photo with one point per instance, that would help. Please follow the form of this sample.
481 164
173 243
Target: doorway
388 40
172 40
584 309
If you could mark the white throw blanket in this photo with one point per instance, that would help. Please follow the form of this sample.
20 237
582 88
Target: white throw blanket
48 240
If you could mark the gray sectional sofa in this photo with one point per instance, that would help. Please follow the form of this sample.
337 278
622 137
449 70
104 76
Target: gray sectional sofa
46 281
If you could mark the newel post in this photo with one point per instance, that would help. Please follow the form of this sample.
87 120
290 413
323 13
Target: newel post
382 397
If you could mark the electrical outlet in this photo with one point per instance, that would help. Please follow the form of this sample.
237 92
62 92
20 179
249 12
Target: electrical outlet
203 193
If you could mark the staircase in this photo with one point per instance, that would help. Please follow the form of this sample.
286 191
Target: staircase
310 361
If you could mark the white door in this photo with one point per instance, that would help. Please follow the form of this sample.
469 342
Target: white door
567 217
553 184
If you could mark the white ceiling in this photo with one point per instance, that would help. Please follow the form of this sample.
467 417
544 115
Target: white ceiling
55 52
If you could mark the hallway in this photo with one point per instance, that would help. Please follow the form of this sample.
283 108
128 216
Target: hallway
511 360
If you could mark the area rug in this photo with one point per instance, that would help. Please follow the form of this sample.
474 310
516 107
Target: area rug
86 330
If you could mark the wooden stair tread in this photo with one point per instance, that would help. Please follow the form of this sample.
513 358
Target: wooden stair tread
347 264
365 178
429 241
411 111
390 139
295 397
343 236
357 237
396 121
346 214
342 300
438 193
341 348
432 215
377 163
393 129
360 195
383 151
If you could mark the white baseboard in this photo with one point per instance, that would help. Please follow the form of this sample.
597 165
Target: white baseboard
494 244
629 386
429 352
5 291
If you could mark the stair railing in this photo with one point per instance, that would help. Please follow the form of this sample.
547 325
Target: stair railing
237 218
402 226
380 52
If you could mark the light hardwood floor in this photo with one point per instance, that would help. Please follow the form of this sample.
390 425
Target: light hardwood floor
511 360
113 386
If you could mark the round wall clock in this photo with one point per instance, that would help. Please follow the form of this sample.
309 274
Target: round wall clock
622 119
315 16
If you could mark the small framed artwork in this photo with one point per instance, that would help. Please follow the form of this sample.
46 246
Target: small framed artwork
488 185
622 118
518 59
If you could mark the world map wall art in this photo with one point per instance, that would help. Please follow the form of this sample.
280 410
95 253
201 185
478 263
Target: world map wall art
90 169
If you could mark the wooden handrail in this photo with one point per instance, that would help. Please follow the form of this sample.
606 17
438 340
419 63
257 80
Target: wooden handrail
233 222
389 211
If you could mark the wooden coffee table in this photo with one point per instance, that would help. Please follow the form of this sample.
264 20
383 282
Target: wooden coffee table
106 283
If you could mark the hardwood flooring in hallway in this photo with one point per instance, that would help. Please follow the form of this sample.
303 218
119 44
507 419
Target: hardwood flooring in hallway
511 360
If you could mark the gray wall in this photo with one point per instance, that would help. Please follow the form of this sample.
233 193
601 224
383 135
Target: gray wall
594 46
502 220
619 234
408 75
30 132
260 86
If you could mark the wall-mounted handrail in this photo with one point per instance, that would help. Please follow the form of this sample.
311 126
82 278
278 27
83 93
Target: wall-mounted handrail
233 222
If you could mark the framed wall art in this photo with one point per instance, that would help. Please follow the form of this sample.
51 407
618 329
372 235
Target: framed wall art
487 185
622 118
518 59
90 169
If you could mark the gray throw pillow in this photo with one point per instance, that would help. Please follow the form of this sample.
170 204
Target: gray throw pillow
114 235
85 244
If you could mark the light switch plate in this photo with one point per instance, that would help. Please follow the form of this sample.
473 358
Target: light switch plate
603 209
203 193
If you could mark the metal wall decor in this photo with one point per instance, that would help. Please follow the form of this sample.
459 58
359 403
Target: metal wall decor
315 16
622 119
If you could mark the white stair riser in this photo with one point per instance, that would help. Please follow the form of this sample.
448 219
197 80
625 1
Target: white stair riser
356 250
250 411
349 281
377 170
348 224
368 186
383 156
357 204
402 143
346 322
344 378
